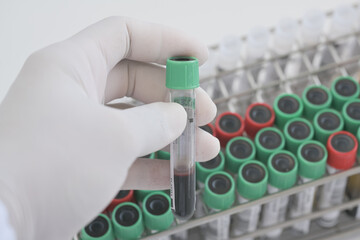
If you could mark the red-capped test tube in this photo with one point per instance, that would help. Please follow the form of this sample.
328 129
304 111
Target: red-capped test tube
342 147
122 196
227 126
209 128
258 116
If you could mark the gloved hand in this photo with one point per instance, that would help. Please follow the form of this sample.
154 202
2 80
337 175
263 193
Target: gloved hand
64 155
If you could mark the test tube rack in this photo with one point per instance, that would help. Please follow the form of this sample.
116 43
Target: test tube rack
310 73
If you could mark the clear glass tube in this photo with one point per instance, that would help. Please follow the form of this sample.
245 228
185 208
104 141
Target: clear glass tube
182 159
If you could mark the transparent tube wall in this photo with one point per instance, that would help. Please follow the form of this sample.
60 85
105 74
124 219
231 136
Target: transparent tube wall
182 159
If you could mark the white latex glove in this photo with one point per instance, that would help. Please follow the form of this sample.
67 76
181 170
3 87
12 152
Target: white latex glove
63 154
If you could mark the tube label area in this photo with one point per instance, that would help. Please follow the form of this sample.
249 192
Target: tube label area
274 212
219 228
246 221
302 204
331 194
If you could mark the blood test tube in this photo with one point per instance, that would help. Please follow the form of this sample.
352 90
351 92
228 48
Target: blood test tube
218 195
268 140
315 98
157 212
251 184
122 196
342 147
312 156
99 229
326 122
282 166
182 78
228 125
238 151
286 107
296 131
127 221
351 115
343 89
209 128
258 116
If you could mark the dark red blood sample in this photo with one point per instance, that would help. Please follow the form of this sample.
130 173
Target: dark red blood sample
184 193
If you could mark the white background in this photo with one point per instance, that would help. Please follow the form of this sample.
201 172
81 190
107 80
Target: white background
29 25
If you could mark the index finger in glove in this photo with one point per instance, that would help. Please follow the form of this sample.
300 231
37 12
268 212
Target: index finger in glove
116 38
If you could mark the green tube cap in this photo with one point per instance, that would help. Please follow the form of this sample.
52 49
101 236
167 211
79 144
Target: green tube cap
163 155
157 211
312 156
282 167
141 194
343 89
219 191
287 106
238 151
252 180
127 221
297 131
98 229
151 156
326 122
204 169
314 99
182 73
268 140
351 115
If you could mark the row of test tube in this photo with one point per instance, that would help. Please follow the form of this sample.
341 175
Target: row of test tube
235 55
309 156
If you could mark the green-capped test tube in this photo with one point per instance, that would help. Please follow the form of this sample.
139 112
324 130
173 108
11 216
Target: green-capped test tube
326 122
268 140
238 151
296 131
315 98
99 229
163 155
157 212
343 89
287 106
182 78
251 184
351 115
141 194
282 166
218 195
151 156
203 170
312 156
127 221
